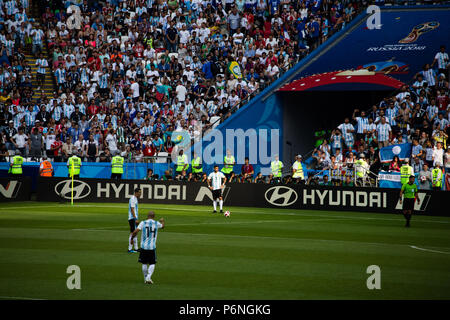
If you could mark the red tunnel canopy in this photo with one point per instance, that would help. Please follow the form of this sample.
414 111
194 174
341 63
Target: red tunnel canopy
359 80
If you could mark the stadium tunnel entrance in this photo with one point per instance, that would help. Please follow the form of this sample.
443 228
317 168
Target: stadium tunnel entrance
321 102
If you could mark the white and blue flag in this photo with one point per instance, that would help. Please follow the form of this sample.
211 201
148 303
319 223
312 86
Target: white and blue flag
403 151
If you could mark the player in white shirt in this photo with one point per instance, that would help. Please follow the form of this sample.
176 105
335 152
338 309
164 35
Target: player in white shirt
216 182
147 255
133 217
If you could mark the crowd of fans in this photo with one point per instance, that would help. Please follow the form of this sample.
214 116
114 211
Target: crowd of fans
129 73
418 114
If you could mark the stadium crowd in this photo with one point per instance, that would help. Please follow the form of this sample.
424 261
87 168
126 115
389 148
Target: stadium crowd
129 73
419 114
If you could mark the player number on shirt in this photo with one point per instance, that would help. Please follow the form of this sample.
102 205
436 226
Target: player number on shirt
150 230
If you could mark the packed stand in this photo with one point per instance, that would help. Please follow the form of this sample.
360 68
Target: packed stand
418 114
128 74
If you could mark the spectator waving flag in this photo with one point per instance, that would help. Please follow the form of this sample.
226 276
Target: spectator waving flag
235 69
403 151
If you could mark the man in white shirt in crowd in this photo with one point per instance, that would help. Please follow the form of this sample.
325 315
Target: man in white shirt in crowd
272 71
438 155
111 142
20 140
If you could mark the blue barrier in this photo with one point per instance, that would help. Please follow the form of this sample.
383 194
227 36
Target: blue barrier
100 170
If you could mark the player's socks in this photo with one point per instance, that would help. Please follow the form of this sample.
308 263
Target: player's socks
150 270
135 244
145 270
215 205
130 246
221 205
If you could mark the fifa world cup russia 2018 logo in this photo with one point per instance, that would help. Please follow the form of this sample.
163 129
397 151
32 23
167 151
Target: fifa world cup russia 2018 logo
418 30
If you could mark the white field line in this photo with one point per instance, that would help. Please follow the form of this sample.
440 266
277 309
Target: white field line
428 250
19 298
251 222
31 207
270 238
120 205
209 223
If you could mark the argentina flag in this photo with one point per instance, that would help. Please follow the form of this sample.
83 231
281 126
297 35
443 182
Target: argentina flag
403 151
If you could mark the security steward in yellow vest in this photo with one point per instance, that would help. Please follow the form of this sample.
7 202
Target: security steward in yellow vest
196 165
45 168
74 166
405 172
15 168
361 169
116 167
182 163
436 178
297 170
276 166
228 164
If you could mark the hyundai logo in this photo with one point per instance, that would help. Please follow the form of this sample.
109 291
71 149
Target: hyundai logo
281 196
80 189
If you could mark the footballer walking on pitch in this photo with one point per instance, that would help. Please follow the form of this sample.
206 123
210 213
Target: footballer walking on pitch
133 217
409 190
147 255
218 180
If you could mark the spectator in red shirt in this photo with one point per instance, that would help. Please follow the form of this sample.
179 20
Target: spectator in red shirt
138 50
271 58
59 61
442 101
56 148
267 28
247 171
149 149
37 125
93 109
94 62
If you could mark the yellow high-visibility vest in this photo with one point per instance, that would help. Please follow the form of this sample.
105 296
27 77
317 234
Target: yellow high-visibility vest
117 164
360 167
276 168
16 167
299 171
436 176
74 166
196 165
405 172
180 163
228 164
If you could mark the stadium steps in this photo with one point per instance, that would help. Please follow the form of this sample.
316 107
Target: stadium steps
49 85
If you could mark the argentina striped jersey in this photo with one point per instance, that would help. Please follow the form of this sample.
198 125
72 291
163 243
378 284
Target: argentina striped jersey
133 203
149 233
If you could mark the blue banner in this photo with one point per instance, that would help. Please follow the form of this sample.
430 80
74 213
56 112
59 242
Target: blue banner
387 179
403 151
407 38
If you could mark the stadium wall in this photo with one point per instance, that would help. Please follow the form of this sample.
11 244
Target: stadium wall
15 189
240 195
99 170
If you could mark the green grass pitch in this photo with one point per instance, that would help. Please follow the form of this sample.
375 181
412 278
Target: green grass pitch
255 254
